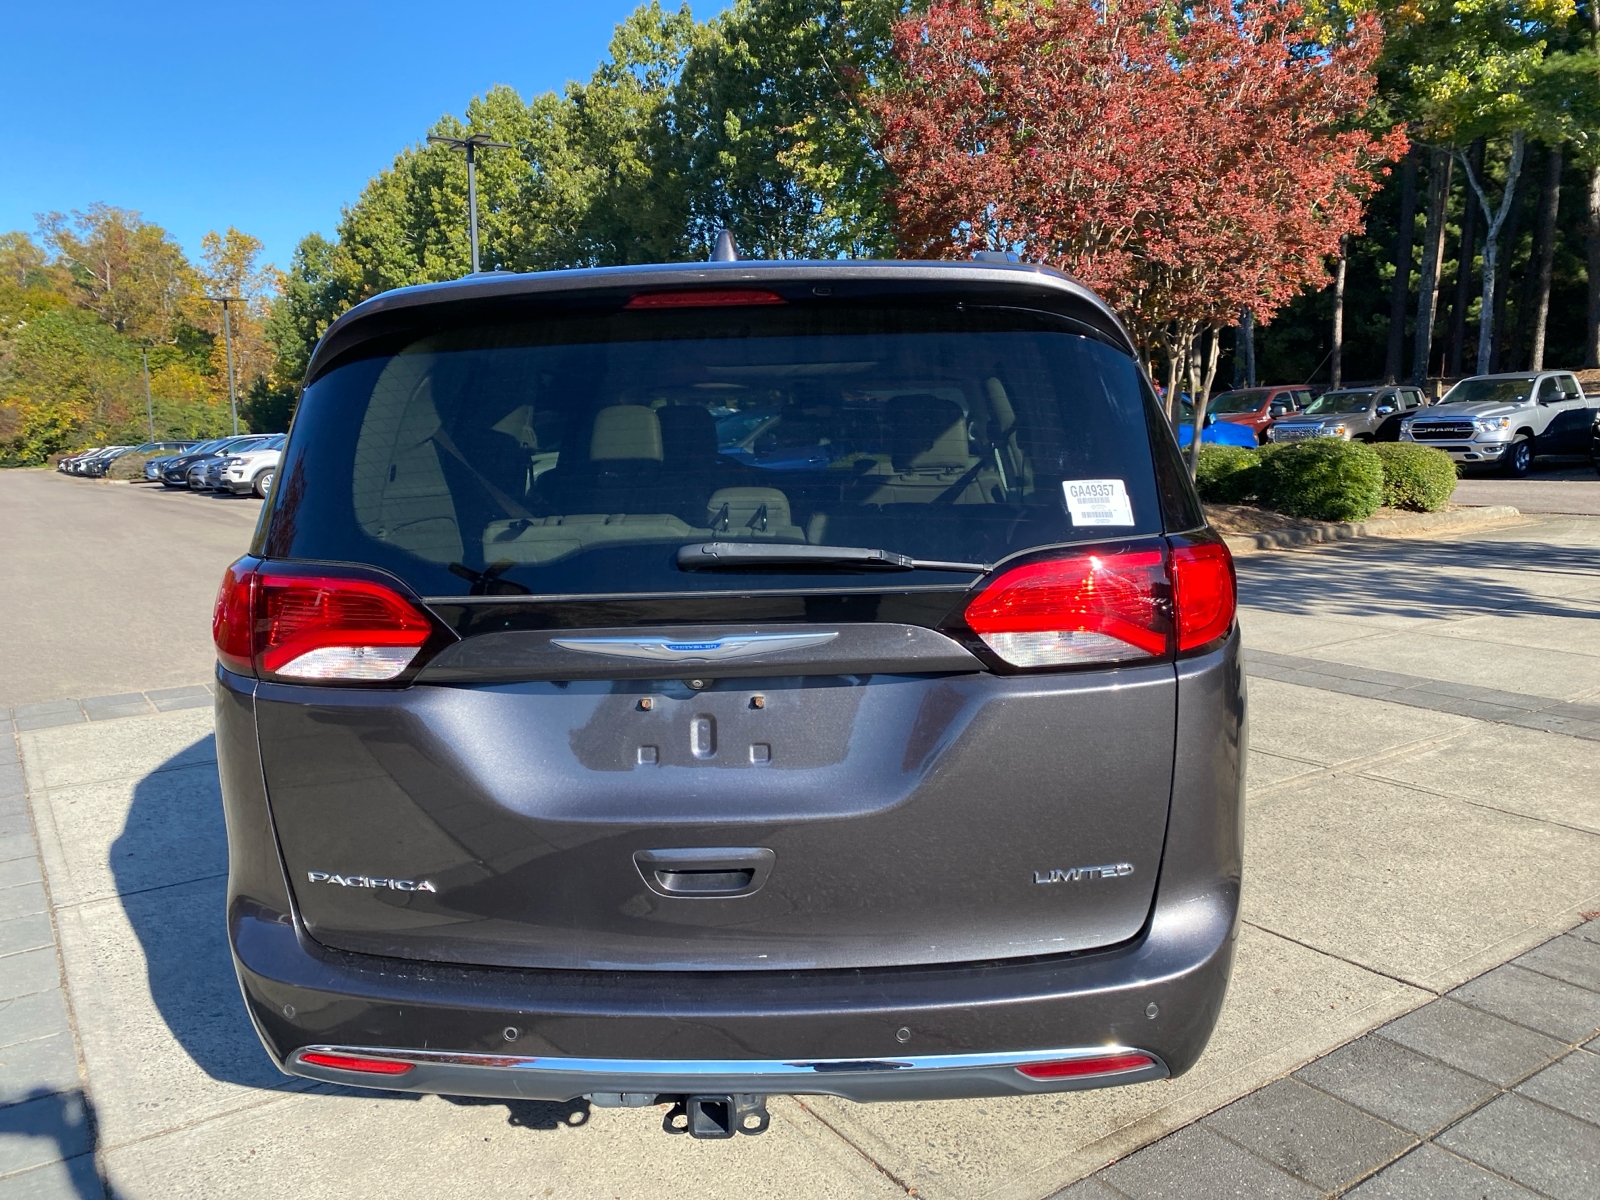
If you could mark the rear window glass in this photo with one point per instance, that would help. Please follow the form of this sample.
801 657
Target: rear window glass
576 455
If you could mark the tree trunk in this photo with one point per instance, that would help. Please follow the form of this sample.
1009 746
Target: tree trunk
1439 162
1591 351
1337 354
1549 210
1491 244
1247 328
1401 289
1201 394
1501 346
1177 338
1464 254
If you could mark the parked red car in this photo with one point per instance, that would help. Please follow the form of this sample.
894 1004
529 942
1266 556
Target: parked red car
1258 407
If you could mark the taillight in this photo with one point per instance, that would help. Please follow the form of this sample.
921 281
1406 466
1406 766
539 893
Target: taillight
349 1062
1091 608
313 626
321 627
704 298
1204 591
1104 1064
230 618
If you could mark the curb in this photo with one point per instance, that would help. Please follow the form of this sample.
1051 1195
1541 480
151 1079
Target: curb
1378 527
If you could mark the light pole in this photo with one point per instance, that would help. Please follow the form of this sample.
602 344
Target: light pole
471 144
149 411
227 337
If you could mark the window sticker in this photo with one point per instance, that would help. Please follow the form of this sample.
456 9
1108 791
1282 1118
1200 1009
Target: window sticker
1098 502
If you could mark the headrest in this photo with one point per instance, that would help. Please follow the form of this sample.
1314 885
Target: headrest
518 423
751 512
732 509
625 431
926 431
688 435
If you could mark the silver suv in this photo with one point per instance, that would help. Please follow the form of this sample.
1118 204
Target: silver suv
1505 420
1354 414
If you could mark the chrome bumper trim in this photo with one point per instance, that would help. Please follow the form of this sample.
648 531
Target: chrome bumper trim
723 1066
909 1077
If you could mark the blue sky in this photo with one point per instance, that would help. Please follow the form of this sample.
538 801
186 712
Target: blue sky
266 116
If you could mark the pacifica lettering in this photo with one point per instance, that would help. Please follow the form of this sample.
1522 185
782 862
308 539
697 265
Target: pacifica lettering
371 881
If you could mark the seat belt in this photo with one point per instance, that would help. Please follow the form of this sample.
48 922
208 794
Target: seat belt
512 508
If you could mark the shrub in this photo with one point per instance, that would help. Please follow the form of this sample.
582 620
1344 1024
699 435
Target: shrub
1226 474
126 466
1419 478
1325 479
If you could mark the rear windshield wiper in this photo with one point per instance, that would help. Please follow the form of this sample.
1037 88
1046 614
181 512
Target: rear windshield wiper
712 556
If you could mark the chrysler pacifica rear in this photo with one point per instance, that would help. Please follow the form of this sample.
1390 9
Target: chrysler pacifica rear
689 684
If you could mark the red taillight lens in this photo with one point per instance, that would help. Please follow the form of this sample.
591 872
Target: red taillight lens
306 626
1204 591
230 618
704 298
1093 608
367 1066
1069 1068
326 627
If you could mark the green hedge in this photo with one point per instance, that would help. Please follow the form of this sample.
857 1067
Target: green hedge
1323 479
1226 474
1419 478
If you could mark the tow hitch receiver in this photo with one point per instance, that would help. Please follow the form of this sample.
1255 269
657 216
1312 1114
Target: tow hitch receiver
718 1116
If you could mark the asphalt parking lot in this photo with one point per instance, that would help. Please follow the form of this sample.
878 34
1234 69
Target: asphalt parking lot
1563 485
1413 1011
100 576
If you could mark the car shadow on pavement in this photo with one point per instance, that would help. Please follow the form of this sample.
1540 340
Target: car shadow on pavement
67 1119
170 863
1420 579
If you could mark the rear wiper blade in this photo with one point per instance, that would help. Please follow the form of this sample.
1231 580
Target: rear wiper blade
712 556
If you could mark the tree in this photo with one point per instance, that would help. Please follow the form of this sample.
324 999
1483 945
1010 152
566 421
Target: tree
24 263
126 270
1184 170
317 288
232 268
1475 69
73 324
774 128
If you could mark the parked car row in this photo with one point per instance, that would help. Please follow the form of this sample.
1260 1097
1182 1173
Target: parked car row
95 461
1501 421
233 464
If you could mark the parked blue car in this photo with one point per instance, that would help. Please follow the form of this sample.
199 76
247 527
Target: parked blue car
1217 433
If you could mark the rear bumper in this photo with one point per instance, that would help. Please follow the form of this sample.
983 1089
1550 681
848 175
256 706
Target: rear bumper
556 1034
907 1077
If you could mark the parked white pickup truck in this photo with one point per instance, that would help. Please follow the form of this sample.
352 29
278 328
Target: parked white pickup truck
1505 420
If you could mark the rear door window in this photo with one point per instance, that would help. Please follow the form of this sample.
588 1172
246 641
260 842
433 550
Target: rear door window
575 454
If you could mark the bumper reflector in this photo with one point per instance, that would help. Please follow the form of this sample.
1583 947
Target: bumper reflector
1103 1064
368 1066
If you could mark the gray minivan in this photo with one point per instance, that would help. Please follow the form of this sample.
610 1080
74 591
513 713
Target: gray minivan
579 739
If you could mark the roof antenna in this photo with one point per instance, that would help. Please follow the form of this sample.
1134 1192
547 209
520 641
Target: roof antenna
726 251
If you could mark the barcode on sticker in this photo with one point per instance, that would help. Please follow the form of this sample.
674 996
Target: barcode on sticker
1098 501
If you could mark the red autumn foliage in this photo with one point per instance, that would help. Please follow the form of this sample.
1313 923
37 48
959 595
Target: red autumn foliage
1183 170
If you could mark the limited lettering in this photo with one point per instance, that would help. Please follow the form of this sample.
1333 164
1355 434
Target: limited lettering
1074 874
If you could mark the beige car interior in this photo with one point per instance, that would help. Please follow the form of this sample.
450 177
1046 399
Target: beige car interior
402 494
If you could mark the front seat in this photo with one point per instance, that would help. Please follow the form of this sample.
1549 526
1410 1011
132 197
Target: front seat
928 446
622 472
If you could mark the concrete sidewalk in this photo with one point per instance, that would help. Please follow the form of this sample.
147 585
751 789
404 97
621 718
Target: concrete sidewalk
1399 847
